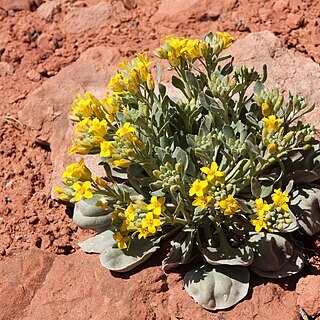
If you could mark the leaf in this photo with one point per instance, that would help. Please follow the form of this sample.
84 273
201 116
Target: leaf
305 204
243 206
255 187
227 255
180 251
162 89
87 216
178 83
217 287
228 133
258 87
192 80
275 257
98 243
119 260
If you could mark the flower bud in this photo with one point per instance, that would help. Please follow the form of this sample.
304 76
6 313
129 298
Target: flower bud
150 82
288 136
265 109
272 148
156 173
178 167
174 188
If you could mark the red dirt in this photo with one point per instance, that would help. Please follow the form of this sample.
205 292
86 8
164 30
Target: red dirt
32 50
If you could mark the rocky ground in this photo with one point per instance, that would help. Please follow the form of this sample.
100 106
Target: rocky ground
49 51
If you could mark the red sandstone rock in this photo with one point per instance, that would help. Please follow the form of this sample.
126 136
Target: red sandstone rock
308 295
46 109
77 287
20 278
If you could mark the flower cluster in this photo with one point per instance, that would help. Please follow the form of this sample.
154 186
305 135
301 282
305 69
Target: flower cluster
132 75
219 171
274 215
138 218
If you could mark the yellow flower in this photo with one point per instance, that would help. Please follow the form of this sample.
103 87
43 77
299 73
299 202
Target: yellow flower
77 171
150 223
143 233
265 109
261 206
83 126
212 172
130 213
106 149
198 187
156 205
116 83
272 148
124 163
126 130
122 241
259 224
280 199
229 205
103 203
225 39
272 123
202 201
79 149
61 194
99 127
191 49
83 190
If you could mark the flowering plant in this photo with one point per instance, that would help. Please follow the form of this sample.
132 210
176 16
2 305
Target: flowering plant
227 171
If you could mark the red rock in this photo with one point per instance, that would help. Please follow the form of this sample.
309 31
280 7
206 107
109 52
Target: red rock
48 9
46 109
46 42
89 20
295 20
6 69
280 5
17 5
33 75
77 287
20 278
308 295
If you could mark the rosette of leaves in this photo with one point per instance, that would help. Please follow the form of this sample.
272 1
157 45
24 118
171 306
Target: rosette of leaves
225 174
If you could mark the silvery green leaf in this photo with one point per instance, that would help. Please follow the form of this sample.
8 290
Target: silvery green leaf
243 206
158 193
293 266
217 287
192 80
119 260
271 251
258 87
178 83
227 255
180 251
88 216
305 204
228 133
98 243
255 187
